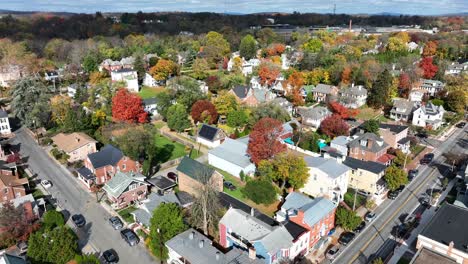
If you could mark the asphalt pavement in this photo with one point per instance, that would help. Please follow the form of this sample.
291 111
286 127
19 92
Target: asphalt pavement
75 199
377 235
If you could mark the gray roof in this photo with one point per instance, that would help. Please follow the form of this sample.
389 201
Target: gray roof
314 209
187 245
402 106
11 259
120 182
397 129
357 90
150 101
282 101
3 113
431 109
161 182
329 166
245 225
108 155
323 88
314 113
340 140
262 95
371 166
233 151
375 147
241 91
278 239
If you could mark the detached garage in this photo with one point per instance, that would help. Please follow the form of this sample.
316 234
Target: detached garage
210 136
231 156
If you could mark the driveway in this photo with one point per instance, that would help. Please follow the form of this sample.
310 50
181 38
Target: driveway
72 197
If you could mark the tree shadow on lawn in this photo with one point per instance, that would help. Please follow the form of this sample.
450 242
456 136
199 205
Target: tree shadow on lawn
164 153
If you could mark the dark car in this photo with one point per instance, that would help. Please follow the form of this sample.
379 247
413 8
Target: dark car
360 227
412 174
425 201
230 186
392 195
173 176
110 256
427 158
400 189
130 237
78 220
116 222
346 238
461 125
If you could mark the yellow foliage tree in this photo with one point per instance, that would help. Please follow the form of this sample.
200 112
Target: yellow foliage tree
60 105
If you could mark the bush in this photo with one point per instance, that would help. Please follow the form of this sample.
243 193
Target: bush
56 153
53 219
242 176
348 220
260 191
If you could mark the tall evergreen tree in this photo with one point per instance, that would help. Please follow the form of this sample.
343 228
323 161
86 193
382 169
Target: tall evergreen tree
139 66
380 91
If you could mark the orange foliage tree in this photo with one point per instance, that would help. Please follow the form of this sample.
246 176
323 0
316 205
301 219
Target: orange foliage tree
430 49
342 111
428 67
346 75
275 49
163 69
264 140
268 73
296 81
128 107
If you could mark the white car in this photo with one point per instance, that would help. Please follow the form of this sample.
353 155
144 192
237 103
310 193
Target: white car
46 184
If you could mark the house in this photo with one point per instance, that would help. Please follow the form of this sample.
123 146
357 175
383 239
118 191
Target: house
150 105
316 215
100 167
426 255
340 144
429 115
210 136
161 184
257 96
402 110
6 258
240 92
285 104
128 76
324 92
127 62
71 90
446 233
368 147
150 81
231 156
313 116
396 136
5 128
366 176
9 74
143 214
411 46
11 185
431 87
255 83
77 145
126 188
32 208
456 68
354 96
328 178
52 76
193 247
193 174
416 96
110 65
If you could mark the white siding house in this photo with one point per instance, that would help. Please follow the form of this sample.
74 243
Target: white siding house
149 81
4 123
210 136
231 156
429 115
129 76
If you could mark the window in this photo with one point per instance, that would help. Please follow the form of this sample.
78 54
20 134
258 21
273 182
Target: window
124 166
133 186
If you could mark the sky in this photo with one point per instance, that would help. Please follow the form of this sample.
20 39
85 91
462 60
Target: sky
417 7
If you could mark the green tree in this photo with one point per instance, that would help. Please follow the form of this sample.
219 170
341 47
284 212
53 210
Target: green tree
200 68
371 126
457 101
379 94
166 222
90 63
58 245
139 66
225 103
347 219
313 45
52 219
247 48
177 118
395 177
272 110
188 92
237 118
87 259
164 102
285 168
135 142
378 261
215 47
260 191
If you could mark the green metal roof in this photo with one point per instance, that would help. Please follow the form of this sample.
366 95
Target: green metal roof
195 169
119 183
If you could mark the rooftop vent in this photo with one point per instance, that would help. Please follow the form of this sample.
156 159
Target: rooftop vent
191 235
201 243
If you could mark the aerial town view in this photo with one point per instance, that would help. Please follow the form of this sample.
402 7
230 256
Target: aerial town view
234 132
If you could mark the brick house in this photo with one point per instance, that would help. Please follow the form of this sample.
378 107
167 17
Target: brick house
102 165
316 215
77 145
11 185
193 174
368 147
396 136
126 188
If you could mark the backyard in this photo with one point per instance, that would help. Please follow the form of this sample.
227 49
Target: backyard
149 92
366 113
169 150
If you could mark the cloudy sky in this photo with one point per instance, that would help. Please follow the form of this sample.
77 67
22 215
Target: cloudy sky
421 7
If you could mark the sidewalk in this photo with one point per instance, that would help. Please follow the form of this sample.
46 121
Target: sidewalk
425 218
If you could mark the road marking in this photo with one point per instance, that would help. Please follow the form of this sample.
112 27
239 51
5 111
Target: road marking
392 216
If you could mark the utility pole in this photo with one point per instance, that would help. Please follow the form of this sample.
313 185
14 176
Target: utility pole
406 157
355 196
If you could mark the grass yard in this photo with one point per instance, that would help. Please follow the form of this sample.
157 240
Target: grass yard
148 92
417 149
366 113
169 150
125 214
37 194
349 199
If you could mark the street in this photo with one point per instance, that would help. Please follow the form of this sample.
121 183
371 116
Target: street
73 198
376 238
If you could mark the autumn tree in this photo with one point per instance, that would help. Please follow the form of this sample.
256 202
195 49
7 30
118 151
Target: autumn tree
268 72
430 49
163 69
296 81
395 177
177 118
214 83
342 110
428 67
15 224
215 46
204 111
275 49
404 84
285 168
316 76
128 107
225 103
313 45
200 68
334 126
60 105
247 48
265 139
346 75
457 101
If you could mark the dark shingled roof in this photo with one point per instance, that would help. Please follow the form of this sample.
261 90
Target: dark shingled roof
3 113
86 173
393 128
195 169
161 182
371 166
366 137
294 229
404 140
447 225
228 201
208 132
241 91
108 155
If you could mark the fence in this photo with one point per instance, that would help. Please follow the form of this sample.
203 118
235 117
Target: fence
170 163
177 139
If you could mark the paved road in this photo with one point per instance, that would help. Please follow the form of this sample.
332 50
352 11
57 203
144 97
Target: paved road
75 199
377 235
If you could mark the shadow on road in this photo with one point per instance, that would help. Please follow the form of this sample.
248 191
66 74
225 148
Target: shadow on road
83 233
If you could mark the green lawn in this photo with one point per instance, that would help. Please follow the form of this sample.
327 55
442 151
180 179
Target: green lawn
148 92
236 181
125 214
349 199
169 150
417 149
366 113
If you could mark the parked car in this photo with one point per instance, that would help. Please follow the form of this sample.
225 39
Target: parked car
360 227
22 247
78 220
425 201
427 158
370 216
412 174
461 125
332 231
333 252
46 184
172 175
130 237
392 195
116 222
110 256
230 186
346 238
400 189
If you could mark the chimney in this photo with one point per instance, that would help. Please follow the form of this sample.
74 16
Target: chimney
369 143
77 139
450 248
252 253
252 211
201 243
191 235
217 255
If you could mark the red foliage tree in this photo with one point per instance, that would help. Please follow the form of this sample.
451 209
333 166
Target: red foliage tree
404 84
264 140
203 110
276 49
128 107
342 111
268 73
334 126
213 83
346 75
428 67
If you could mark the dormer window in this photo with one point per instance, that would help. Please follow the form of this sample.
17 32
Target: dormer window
364 143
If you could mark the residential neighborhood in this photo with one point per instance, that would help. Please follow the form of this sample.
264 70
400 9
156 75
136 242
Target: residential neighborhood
234 138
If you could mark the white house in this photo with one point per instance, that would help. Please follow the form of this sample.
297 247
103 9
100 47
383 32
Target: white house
150 105
129 76
411 46
285 104
71 90
340 144
354 96
431 87
210 136
150 81
255 83
429 115
313 116
4 123
328 177
231 156
416 97
456 68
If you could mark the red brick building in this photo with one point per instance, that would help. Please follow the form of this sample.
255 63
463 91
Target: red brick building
367 147
125 189
193 174
11 185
